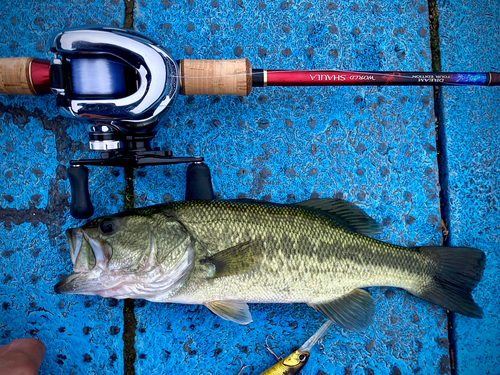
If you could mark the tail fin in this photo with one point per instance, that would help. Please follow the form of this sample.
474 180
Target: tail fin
459 270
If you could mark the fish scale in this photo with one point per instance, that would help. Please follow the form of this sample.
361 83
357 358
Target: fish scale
333 258
225 254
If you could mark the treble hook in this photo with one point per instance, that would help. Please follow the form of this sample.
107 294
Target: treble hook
278 358
242 367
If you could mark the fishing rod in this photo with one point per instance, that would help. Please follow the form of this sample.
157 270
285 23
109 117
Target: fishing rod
102 61
122 83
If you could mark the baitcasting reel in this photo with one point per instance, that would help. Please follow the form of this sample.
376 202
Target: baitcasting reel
123 83
117 78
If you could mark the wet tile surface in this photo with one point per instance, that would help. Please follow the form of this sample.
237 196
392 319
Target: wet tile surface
375 147
473 161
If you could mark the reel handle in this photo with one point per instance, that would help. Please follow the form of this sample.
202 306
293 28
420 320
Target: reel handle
24 76
198 180
81 206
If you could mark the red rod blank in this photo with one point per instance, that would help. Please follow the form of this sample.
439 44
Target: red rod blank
346 78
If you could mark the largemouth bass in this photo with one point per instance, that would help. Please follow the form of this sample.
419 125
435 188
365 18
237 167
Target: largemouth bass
226 254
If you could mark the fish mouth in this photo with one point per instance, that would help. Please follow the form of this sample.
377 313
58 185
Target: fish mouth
74 284
93 276
89 257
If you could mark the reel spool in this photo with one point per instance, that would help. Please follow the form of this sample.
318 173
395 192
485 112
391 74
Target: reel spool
114 77
123 83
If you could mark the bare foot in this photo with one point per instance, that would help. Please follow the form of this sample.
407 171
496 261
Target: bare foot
21 357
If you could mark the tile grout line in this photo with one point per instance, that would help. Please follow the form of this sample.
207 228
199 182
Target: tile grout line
128 21
442 157
129 320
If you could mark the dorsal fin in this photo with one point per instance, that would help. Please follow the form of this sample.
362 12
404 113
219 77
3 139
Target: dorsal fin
347 212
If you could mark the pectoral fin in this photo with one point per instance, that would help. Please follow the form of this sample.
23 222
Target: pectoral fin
237 259
237 312
353 311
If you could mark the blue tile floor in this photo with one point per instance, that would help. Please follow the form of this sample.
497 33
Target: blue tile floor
424 166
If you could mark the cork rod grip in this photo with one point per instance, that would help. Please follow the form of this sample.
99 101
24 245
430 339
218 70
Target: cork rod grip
215 77
15 76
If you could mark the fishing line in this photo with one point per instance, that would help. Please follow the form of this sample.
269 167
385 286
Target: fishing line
323 330
98 76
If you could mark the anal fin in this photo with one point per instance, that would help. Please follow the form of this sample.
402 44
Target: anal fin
353 311
237 312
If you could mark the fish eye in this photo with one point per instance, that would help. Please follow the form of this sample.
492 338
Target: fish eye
108 226
302 357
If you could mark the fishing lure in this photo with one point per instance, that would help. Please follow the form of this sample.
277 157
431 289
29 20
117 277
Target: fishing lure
296 361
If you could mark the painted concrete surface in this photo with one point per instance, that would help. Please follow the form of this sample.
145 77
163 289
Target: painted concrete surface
372 146
375 147
471 125
82 334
